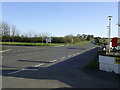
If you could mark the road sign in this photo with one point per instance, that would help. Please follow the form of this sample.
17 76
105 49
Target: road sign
48 39
117 60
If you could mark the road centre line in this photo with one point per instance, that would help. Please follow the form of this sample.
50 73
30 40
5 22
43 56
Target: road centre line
53 61
27 54
18 50
39 65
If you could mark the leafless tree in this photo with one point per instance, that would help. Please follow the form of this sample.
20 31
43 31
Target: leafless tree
0 31
70 37
13 32
44 35
5 29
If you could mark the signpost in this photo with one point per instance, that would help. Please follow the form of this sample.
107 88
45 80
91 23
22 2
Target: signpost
48 39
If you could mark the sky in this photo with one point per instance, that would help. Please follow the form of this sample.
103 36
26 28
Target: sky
62 18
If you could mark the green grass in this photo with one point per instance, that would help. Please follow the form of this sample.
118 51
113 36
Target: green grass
94 65
29 44
41 44
79 43
83 42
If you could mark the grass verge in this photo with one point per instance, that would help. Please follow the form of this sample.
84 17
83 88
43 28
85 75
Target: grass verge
94 65
83 42
30 44
79 43
42 44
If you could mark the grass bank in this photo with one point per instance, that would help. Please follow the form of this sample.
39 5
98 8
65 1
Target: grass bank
42 44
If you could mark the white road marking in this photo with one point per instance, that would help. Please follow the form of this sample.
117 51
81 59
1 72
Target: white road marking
27 54
75 54
53 61
15 72
5 50
62 58
24 69
69 56
18 50
39 65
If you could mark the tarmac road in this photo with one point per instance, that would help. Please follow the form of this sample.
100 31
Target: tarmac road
53 67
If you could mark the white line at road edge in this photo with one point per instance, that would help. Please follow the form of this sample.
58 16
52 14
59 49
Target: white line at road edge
62 58
53 61
69 56
39 65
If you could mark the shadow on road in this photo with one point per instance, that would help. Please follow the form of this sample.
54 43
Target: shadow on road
70 72
33 61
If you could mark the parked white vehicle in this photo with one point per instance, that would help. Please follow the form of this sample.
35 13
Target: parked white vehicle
104 47
117 48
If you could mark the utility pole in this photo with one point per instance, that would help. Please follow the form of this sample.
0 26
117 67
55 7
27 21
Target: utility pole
118 30
110 17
